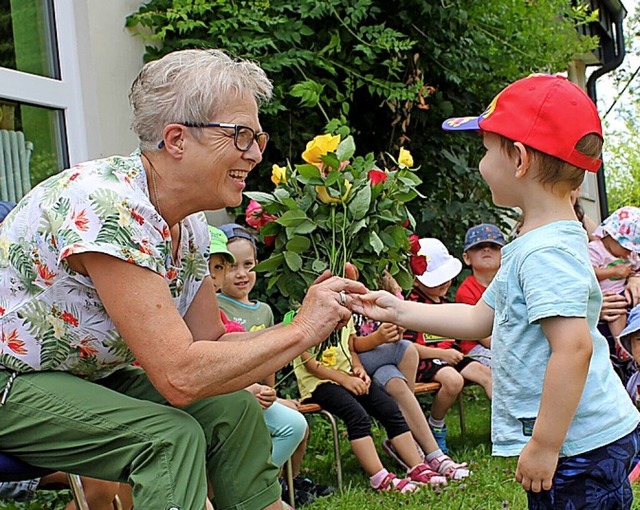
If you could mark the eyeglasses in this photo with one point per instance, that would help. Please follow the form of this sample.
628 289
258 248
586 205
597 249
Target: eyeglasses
243 136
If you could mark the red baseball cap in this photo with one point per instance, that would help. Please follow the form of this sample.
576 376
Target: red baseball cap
545 112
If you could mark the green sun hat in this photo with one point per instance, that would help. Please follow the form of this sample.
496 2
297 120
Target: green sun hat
219 244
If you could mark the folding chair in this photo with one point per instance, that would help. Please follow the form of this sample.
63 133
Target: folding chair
15 470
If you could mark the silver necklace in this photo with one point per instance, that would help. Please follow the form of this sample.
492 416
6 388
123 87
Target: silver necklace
154 185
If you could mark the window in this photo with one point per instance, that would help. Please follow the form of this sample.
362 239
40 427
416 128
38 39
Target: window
40 99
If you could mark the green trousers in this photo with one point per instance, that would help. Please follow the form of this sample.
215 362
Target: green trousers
121 429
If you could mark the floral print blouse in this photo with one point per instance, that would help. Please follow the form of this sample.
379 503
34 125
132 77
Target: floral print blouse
51 318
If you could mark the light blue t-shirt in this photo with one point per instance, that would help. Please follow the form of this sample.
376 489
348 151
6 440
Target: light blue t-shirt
547 273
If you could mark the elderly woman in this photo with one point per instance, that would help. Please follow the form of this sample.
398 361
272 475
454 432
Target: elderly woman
106 263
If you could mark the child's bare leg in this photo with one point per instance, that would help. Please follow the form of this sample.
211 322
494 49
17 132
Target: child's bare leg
409 365
99 493
480 374
365 451
412 412
406 448
452 383
298 454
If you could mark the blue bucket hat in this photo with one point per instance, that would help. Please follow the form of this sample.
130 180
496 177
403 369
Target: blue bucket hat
483 233
633 326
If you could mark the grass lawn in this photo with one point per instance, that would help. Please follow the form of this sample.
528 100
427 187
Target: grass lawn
490 487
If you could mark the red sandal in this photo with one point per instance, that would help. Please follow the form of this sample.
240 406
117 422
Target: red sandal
392 483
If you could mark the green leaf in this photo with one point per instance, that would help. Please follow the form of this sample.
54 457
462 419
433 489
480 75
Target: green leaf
298 244
319 266
273 262
261 198
346 149
375 242
359 204
294 261
309 174
292 218
303 228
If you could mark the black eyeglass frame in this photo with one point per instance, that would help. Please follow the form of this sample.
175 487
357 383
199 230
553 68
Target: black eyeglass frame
236 131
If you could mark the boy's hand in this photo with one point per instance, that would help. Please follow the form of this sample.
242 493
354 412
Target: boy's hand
536 467
361 373
451 356
377 305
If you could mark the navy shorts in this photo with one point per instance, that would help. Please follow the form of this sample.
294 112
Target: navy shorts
594 480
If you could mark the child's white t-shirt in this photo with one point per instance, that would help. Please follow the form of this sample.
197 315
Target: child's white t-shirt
547 273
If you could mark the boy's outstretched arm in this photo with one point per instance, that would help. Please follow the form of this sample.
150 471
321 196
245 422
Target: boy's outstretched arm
564 380
449 320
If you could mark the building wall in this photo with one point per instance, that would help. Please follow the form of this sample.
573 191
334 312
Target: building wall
111 60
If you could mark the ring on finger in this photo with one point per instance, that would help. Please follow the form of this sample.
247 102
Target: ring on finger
343 297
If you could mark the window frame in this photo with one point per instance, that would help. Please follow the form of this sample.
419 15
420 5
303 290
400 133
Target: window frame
64 94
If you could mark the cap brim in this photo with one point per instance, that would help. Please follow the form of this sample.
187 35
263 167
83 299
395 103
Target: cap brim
462 124
633 327
492 241
447 271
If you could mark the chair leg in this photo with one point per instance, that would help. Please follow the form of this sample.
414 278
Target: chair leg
336 446
292 492
117 504
78 492
463 424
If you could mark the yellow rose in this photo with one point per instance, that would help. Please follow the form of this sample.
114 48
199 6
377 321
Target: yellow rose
320 146
405 158
329 357
324 196
278 174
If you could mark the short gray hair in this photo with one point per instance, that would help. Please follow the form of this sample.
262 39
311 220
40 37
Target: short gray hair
190 86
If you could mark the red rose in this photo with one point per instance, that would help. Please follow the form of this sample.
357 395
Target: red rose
418 264
377 176
256 217
414 241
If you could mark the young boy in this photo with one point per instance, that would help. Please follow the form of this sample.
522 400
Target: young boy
482 245
441 359
558 403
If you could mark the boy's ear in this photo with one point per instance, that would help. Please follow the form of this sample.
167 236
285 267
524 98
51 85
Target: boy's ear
522 159
466 258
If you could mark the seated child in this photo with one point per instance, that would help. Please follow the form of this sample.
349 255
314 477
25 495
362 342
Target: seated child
393 363
441 359
630 341
288 427
614 255
340 385
482 245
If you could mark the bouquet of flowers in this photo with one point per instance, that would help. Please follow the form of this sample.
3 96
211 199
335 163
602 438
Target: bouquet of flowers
332 209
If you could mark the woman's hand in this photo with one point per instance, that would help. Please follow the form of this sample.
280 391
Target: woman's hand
613 306
324 308
377 305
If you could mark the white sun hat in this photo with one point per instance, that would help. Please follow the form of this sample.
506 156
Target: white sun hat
441 265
